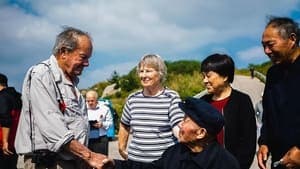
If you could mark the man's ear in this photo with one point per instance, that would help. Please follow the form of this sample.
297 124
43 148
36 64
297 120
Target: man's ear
63 51
225 78
201 133
293 37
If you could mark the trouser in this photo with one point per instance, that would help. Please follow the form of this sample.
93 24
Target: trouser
99 145
8 161
58 164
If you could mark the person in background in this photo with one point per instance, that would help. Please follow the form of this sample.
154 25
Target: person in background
53 127
280 130
100 119
197 147
10 108
152 114
252 72
239 133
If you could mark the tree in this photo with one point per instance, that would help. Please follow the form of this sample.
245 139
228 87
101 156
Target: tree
115 79
130 81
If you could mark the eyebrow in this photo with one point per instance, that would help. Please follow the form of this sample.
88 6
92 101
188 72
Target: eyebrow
266 42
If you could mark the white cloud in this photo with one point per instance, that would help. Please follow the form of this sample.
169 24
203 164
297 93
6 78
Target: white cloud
252 55
91 77
129 29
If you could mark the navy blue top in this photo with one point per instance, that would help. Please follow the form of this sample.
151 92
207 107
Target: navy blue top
281 115
179 156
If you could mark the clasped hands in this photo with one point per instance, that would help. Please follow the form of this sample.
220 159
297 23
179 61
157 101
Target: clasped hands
100 161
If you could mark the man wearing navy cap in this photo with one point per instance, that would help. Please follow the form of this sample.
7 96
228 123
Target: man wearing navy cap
197 147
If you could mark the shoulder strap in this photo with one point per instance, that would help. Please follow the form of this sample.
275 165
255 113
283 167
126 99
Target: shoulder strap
29 111
61 103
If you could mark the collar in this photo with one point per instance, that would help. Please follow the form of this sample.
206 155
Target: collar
203 159
58 73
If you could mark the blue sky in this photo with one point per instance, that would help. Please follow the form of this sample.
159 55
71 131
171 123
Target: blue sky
123 31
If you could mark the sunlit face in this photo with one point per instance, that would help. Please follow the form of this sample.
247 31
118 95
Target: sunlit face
91 101
277 48
188 130
214 82
149 76
75 61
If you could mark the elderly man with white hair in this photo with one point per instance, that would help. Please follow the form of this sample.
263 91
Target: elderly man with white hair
100 119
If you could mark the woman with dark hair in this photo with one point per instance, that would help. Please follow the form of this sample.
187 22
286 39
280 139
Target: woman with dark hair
239 133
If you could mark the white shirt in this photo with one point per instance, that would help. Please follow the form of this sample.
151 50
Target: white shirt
102 114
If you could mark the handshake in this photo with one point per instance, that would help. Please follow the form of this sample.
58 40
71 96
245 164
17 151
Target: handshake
101 161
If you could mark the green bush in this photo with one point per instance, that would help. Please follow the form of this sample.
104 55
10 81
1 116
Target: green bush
129 82
186 84
183 67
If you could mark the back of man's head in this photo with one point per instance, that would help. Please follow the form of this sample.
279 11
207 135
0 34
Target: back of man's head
3 80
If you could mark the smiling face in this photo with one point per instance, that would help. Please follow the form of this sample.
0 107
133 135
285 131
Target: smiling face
73 62
277 48
189 131
150 78
214 82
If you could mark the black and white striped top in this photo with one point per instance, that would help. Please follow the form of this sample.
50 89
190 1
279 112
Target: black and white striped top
151 120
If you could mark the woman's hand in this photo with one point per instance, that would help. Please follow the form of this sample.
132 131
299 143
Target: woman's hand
123 154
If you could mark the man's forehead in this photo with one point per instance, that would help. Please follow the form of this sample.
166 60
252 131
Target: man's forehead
90 97
270 34
271 31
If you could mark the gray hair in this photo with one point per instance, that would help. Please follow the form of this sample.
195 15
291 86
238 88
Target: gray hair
67 40
286 26
155 62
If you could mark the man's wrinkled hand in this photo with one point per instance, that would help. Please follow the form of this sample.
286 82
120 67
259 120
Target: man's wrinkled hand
292 158
95 160
262 156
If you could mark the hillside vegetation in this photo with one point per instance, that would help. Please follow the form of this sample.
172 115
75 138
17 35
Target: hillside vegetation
183 76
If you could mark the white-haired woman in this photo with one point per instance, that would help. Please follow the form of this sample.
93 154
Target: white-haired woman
152 114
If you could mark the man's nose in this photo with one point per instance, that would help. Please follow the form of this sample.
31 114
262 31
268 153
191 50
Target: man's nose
267 50
205 79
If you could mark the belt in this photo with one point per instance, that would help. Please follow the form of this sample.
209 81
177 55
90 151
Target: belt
39 152
42 157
